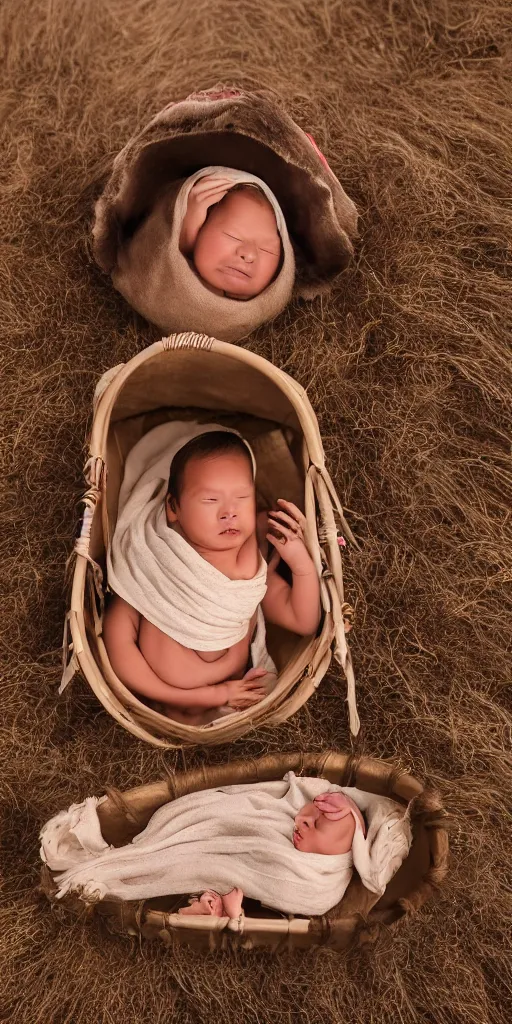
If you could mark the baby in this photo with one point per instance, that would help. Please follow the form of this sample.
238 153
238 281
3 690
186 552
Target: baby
230 234
211 505
326 826
291 843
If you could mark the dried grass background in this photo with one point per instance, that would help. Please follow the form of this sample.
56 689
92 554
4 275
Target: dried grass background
407 368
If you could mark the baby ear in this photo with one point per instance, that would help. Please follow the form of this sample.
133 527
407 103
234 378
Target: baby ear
170 509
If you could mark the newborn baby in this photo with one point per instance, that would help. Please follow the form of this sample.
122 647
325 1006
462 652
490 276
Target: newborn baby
230 234
213 255
292 844
206 518
326 826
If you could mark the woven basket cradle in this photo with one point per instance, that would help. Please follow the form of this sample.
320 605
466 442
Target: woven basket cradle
190 375
360 916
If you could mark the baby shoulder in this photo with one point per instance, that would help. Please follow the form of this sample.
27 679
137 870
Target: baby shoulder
118 611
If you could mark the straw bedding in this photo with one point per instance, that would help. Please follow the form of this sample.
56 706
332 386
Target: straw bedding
406 367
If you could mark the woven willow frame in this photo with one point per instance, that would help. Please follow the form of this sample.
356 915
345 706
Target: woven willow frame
84 648
360 916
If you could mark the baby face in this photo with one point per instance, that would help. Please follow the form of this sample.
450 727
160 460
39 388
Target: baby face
238 249
316 833
217 506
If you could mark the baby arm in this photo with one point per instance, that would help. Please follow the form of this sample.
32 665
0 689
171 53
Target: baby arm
297 608
120 634
205 193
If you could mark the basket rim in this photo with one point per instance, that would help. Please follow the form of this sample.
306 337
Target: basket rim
197 342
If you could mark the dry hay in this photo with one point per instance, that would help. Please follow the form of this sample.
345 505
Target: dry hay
406 367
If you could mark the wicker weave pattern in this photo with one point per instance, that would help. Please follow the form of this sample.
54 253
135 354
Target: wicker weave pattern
189 340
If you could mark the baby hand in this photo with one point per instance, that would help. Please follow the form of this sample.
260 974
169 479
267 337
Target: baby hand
205 193
289 524
336 806
242 693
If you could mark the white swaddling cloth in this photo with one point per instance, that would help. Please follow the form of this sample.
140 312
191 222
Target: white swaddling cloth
221 838
153 568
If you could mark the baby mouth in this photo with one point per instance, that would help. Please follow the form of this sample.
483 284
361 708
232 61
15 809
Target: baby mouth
231 531
297 837
236 272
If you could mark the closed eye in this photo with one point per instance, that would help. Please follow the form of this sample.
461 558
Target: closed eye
270 253
232 236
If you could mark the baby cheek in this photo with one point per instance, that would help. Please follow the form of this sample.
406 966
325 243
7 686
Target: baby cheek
221 245
268 270
207 251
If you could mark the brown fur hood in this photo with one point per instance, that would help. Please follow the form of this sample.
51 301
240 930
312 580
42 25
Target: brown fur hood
250 132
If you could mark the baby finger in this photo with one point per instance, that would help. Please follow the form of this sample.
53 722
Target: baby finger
211 179
277 538
283 532
255 673
214 193
294 510
285 518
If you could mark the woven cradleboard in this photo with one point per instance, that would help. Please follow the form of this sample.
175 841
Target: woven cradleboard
194 376
251 133
360 916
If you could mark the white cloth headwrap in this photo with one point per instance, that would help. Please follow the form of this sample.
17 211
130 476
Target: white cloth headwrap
231 836
153 568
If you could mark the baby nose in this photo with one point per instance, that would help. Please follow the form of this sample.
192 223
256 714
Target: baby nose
247 252
305 821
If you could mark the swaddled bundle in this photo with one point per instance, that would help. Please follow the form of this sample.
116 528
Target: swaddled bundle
231 836
161 575
160 282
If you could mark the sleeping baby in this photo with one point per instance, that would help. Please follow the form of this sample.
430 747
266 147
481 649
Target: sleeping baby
230 234
213 256
292 844
325 825
192 588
